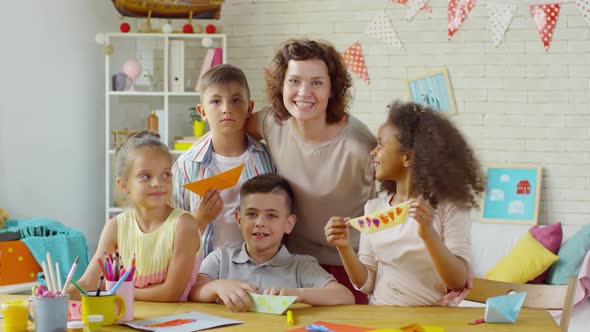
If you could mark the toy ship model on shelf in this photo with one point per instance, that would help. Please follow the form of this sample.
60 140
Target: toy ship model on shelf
201 9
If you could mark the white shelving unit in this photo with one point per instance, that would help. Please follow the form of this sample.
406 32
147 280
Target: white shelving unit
129 109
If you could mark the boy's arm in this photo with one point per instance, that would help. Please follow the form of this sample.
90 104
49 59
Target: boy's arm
203 290
180 268
332 293
106 243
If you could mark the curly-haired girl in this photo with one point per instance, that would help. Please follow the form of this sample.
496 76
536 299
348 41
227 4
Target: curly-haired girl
421 157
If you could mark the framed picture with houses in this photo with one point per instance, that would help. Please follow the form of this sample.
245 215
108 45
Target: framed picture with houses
512 193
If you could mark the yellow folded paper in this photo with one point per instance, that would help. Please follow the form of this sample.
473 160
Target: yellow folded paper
220 181
381 220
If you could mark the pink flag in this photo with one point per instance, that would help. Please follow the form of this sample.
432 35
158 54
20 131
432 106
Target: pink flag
353 57
457 11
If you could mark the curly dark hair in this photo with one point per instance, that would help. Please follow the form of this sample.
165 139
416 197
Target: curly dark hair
443 165
304 49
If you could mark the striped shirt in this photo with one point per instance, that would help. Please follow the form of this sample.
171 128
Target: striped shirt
196 164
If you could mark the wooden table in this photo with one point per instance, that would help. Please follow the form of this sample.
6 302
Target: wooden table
453 319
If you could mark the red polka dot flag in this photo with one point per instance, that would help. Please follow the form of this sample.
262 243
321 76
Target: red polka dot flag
353 57
545 17
584 8
457 12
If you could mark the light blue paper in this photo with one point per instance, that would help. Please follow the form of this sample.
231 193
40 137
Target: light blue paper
504 309
271 304
199 322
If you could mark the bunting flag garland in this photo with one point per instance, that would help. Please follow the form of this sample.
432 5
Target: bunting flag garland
584 8
424 8
458 10
500 18
545 16
353 57
414 6
382 29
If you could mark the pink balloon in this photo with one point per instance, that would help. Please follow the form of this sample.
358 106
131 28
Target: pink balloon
132 68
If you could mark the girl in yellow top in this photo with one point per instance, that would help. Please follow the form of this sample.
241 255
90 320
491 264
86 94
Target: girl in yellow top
164 240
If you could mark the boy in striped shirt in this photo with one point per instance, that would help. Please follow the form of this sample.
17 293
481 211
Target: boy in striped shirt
225 105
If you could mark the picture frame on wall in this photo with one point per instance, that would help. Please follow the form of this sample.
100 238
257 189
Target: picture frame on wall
433 90
512 194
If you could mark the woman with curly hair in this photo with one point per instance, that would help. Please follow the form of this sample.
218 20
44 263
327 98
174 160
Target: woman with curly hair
421 157
322 150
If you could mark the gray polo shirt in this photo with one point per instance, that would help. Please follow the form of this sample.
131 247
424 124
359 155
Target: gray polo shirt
284 270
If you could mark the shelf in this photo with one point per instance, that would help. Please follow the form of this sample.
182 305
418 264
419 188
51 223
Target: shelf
166 58
163 35
186 94
137 93
154 93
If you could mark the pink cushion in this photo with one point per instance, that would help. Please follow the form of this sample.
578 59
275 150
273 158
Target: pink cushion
550 237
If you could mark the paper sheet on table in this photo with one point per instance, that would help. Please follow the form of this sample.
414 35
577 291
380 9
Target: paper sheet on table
336 327
271 304
504 309
380 220
219 181
189 321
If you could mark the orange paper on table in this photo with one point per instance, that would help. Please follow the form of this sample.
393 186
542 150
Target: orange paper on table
380 220
337 327
220 181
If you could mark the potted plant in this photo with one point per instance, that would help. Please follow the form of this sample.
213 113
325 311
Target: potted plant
197 121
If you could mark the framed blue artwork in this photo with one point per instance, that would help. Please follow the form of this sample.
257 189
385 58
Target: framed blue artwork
512 193
433 90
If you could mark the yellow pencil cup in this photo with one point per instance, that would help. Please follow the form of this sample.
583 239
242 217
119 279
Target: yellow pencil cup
111 307
16 315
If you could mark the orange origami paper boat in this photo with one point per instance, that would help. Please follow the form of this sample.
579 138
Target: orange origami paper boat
381 220
220 181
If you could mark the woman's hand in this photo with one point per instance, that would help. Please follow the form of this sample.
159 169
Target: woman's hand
337 232
421 211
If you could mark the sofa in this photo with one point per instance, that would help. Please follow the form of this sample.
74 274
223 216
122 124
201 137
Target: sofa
490 242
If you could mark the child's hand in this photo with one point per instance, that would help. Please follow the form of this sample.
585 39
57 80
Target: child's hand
337 232
421 211
209 207
282 292
234 294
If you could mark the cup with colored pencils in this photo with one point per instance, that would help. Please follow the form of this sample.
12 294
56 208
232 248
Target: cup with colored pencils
121 283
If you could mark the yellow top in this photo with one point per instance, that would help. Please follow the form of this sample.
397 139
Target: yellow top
153 251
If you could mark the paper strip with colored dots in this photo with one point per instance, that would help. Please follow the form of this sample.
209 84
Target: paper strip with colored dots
271 304
381 220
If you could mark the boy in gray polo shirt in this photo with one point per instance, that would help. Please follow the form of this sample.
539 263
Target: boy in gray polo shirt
263 264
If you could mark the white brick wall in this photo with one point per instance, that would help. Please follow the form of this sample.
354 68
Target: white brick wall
516 103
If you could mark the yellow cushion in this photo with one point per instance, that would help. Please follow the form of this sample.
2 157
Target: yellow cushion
526 260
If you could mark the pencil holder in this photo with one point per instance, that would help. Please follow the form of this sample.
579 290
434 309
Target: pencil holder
50 314
127 291
111 307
